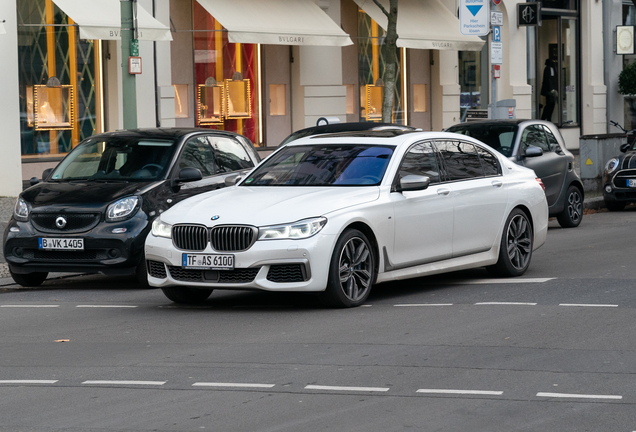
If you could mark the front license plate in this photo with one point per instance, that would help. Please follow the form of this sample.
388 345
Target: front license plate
631 182
61 243
208 261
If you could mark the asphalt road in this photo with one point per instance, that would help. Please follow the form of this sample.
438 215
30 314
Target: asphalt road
551 351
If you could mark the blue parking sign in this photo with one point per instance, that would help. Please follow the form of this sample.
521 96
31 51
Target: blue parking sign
496 34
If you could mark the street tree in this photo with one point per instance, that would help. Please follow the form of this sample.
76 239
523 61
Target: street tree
390 68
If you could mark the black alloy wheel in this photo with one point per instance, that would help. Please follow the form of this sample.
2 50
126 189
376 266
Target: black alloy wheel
515 249
572 214
351 272
185 295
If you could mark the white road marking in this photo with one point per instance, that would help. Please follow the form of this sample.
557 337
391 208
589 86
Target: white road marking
506 303
581 396
241 385
341 388
28 381
587 305
29 306
466 392
104 306
114 382
423 304
499 281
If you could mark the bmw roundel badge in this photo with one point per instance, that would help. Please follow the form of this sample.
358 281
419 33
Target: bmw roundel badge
215 217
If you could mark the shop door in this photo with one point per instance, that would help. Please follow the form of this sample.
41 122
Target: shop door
277 86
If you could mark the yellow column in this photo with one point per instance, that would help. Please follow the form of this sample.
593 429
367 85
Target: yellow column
72 58
50 56
375 50
218 49
239 68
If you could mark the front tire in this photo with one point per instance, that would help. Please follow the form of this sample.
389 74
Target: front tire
351 271
572 214
515 249
29 279
184 295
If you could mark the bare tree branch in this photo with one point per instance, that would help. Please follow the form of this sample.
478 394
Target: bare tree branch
378 4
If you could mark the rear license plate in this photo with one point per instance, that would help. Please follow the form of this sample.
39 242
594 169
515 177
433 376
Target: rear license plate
208 261
61 243
631 182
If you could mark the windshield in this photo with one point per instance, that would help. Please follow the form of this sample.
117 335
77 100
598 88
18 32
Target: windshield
323 165
500 137
116 159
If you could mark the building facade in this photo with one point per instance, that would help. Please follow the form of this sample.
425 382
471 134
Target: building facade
265 69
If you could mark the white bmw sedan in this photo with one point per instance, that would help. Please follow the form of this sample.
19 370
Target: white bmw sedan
336 214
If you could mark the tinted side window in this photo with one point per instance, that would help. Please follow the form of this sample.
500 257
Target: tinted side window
198 153
420 160
534 136
460 160
552 141
489 162
230 154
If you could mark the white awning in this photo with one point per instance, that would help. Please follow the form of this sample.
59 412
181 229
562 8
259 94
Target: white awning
101 19
276 22
424 24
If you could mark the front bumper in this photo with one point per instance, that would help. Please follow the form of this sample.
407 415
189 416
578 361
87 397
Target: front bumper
275 265
104 251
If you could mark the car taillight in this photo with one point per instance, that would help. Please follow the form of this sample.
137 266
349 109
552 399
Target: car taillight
540 183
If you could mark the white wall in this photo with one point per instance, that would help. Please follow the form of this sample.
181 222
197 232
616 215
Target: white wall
10 162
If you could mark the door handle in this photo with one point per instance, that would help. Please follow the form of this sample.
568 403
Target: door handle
497 183
443 192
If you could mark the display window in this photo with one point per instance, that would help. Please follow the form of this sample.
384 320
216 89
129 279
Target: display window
227 79
60 81
371 62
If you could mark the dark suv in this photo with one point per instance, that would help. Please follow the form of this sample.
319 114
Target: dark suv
93 211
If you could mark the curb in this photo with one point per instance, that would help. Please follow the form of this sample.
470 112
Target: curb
595 203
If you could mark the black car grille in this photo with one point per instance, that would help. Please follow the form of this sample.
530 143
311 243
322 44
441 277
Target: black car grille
223 238
75 222
620 179
85 255
235 276
282 273
232 238
156 269
629 161
190 237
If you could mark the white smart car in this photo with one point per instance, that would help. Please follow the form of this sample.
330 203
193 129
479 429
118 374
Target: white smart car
335 214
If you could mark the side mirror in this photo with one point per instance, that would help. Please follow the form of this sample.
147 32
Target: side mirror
625 147
232 180
413 183
533 151
46 173
188 174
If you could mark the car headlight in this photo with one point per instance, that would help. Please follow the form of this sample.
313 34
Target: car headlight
122 209
296 230
611 165
161 229
21 210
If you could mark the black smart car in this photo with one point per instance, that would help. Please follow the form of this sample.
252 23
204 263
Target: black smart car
93 211
537 145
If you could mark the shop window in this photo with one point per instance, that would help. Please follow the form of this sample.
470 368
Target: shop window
210 101
181 102
419 97
232 101
371 69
